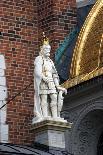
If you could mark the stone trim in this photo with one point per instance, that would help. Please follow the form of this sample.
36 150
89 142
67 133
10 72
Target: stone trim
48 124
3 96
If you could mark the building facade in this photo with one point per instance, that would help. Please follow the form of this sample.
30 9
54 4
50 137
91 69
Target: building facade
84 103
21 27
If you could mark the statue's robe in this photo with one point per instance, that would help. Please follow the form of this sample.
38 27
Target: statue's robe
38 74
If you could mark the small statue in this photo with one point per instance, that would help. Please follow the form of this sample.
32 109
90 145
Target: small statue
48 93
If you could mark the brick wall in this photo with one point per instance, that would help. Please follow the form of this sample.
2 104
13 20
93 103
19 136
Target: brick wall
57 18
20 23
18 43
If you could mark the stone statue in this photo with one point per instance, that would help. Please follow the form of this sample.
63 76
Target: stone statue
48 93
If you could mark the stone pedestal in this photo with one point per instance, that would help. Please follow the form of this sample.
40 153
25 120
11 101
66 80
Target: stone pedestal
51 133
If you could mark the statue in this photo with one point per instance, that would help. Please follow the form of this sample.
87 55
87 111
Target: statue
48 92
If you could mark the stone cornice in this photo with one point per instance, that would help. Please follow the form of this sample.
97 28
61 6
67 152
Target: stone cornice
87 84
82 78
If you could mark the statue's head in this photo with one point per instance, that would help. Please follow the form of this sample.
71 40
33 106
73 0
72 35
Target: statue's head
45 48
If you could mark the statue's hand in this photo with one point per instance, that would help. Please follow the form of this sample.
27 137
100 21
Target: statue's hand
62 89
46 79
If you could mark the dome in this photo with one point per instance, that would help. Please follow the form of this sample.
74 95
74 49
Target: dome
87 61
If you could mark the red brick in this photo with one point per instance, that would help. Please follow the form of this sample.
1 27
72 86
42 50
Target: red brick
19 25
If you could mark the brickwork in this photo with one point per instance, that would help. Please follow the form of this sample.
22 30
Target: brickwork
57 19
20 23
18 43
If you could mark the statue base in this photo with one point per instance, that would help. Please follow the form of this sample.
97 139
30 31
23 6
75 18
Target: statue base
51 132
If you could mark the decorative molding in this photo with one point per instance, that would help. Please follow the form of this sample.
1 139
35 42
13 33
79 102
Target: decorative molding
87 126
83 78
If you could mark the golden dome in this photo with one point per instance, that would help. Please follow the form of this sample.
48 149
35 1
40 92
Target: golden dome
87 59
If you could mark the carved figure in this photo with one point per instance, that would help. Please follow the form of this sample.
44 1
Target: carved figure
48 92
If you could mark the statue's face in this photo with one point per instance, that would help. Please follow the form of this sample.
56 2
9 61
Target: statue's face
46 50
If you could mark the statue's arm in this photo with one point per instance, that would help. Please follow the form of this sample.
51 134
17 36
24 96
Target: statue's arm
56 80
55 76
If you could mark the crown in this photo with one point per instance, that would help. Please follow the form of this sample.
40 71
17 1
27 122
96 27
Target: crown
45 39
